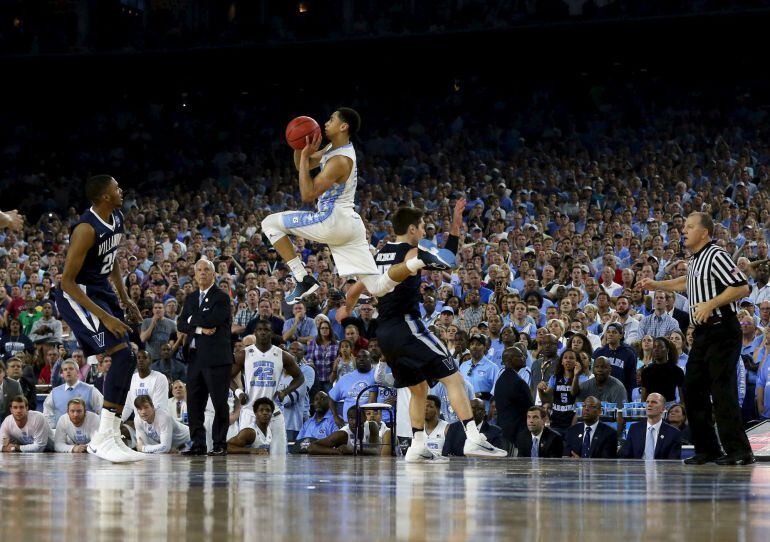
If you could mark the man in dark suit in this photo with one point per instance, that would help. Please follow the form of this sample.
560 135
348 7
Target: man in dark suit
681 317
205 320
654 439
8 390
548 442
591 439
512 395
455 435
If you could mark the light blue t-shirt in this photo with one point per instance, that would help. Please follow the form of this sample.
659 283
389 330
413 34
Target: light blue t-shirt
348 387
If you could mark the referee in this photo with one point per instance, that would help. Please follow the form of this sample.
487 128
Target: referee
713 285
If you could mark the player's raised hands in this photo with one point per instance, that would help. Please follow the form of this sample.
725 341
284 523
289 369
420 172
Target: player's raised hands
311 145
116 326
457 216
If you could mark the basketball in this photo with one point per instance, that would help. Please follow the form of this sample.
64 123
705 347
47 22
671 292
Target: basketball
300 128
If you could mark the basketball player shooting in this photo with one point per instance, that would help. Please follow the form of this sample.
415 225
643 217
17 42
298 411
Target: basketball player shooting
88 304
416 356
336 222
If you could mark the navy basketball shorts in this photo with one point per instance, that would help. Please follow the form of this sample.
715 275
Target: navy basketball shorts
413 353
91 333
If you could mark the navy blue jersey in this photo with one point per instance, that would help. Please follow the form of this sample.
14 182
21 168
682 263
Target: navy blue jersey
100 258
405 298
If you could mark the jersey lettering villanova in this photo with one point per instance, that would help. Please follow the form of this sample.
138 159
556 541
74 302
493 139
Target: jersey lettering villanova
404 299
100 258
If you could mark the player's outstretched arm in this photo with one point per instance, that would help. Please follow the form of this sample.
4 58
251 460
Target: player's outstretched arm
82 239
11 219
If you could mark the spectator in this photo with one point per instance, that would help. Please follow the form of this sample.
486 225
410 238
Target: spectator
177 403
622 316
9 389
511 394
15 372
677 417
102 367
322 354
366 324
266 313
663 376
345 362
603 386
644 351
677 338
559 391
621 357
156 331
545 362
324 422
353 336
172 368
435 427
537 440
342 442
146 382
300 327
655 439
479 371
14 341
591 438
682 317
448 414
84 369
349 386
659 323
55 405
25 430
74 429
455 434
47 328
157 432
246 314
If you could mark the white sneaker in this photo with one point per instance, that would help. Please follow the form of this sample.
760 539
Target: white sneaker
477 446
133 455
105 446
419 453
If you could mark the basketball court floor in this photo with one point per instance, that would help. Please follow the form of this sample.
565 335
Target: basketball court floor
64 497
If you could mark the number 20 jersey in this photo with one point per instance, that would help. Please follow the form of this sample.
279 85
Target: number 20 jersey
100 258
261 372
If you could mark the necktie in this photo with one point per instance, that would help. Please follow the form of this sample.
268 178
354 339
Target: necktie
200 299
586 452
534 447
649 449
179 409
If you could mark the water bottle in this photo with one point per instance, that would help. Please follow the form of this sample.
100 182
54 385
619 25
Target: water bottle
184 418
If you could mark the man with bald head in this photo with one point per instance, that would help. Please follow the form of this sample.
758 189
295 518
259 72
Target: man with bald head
653 439
591 438
512 395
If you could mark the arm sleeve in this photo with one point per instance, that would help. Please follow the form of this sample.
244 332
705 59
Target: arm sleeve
381 377
48 411
452 244
60 439
166 440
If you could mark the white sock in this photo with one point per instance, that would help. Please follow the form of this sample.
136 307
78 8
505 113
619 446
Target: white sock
471 430
107 421
414 264
297 268
420 437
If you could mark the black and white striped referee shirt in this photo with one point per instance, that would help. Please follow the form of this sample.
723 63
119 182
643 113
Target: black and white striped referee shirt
710 271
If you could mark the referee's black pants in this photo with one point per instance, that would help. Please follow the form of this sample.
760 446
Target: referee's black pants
712 376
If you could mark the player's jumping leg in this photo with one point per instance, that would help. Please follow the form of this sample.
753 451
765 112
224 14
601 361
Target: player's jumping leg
108 443
418 451
274 227
476 444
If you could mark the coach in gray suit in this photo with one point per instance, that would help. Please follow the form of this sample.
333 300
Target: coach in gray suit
8 390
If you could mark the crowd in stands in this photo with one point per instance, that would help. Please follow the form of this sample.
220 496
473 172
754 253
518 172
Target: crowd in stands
565 212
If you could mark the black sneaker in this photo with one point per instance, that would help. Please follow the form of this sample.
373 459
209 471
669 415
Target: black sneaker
701 459
302 290
434 257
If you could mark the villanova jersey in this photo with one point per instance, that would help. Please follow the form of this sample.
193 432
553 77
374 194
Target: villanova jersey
261 372
404 299
100 258
341 195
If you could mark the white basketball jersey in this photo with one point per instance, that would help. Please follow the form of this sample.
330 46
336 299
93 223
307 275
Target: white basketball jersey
342 195
261 371
435 440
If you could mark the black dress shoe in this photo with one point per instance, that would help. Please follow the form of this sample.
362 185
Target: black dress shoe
195 451
736 459
700 459
218 452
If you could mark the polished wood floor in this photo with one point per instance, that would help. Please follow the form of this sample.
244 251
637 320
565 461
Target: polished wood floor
64 497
